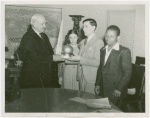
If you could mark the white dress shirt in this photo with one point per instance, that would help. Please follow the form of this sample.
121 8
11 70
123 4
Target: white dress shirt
115 47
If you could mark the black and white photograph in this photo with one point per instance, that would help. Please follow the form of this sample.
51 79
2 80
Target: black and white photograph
74 58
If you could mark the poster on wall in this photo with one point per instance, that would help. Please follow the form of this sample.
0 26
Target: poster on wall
17 20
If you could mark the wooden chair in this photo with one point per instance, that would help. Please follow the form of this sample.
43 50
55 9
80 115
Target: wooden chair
137 81
140 60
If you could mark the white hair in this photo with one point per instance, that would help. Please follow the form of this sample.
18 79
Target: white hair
35 17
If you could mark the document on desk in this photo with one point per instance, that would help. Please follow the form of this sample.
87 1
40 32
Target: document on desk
98 103
78 99
94 103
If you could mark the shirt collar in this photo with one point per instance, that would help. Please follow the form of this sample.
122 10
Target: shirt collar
36 32
116 46
89 37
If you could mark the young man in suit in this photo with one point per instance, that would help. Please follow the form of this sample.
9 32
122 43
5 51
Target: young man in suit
115 68
88 56
37 55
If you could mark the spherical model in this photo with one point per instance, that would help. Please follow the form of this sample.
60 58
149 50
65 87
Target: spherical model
67 51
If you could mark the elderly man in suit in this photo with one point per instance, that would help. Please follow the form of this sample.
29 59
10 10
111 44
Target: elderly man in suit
37 55
115 68
89 56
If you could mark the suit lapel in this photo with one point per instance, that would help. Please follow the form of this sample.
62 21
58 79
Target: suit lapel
35 35
81 48
49 45
112 56
90 43
40 40
103 52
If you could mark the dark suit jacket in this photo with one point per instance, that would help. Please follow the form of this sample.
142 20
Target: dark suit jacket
37 56
116 73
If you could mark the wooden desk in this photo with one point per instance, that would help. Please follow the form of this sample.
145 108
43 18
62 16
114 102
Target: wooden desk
50 100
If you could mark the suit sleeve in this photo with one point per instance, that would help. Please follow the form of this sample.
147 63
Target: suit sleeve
96 58
28 52
98 77
127 70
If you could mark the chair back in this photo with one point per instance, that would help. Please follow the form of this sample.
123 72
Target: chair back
140 60
138 79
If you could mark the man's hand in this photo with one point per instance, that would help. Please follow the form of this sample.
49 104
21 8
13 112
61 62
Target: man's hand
67 61
116 93
57 58
97 90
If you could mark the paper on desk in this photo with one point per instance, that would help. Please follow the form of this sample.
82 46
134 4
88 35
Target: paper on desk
78 99
131 91
94 103
98 103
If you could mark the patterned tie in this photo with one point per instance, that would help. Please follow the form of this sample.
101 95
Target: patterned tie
85 42
42 35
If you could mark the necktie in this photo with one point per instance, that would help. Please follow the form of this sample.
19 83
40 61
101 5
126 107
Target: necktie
42 35
85 42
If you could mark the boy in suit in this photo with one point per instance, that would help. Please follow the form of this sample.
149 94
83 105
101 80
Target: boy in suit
88 57
115 68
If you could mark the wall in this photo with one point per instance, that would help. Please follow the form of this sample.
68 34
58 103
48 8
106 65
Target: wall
99 13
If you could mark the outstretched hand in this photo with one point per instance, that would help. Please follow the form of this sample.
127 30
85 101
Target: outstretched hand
75 54
76 57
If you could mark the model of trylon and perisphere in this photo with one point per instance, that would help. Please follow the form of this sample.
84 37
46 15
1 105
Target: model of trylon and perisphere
67 51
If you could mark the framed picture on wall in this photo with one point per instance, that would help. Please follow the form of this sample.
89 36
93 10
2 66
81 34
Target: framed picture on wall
17 20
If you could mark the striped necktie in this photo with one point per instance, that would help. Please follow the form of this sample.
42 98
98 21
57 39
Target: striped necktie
42 35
